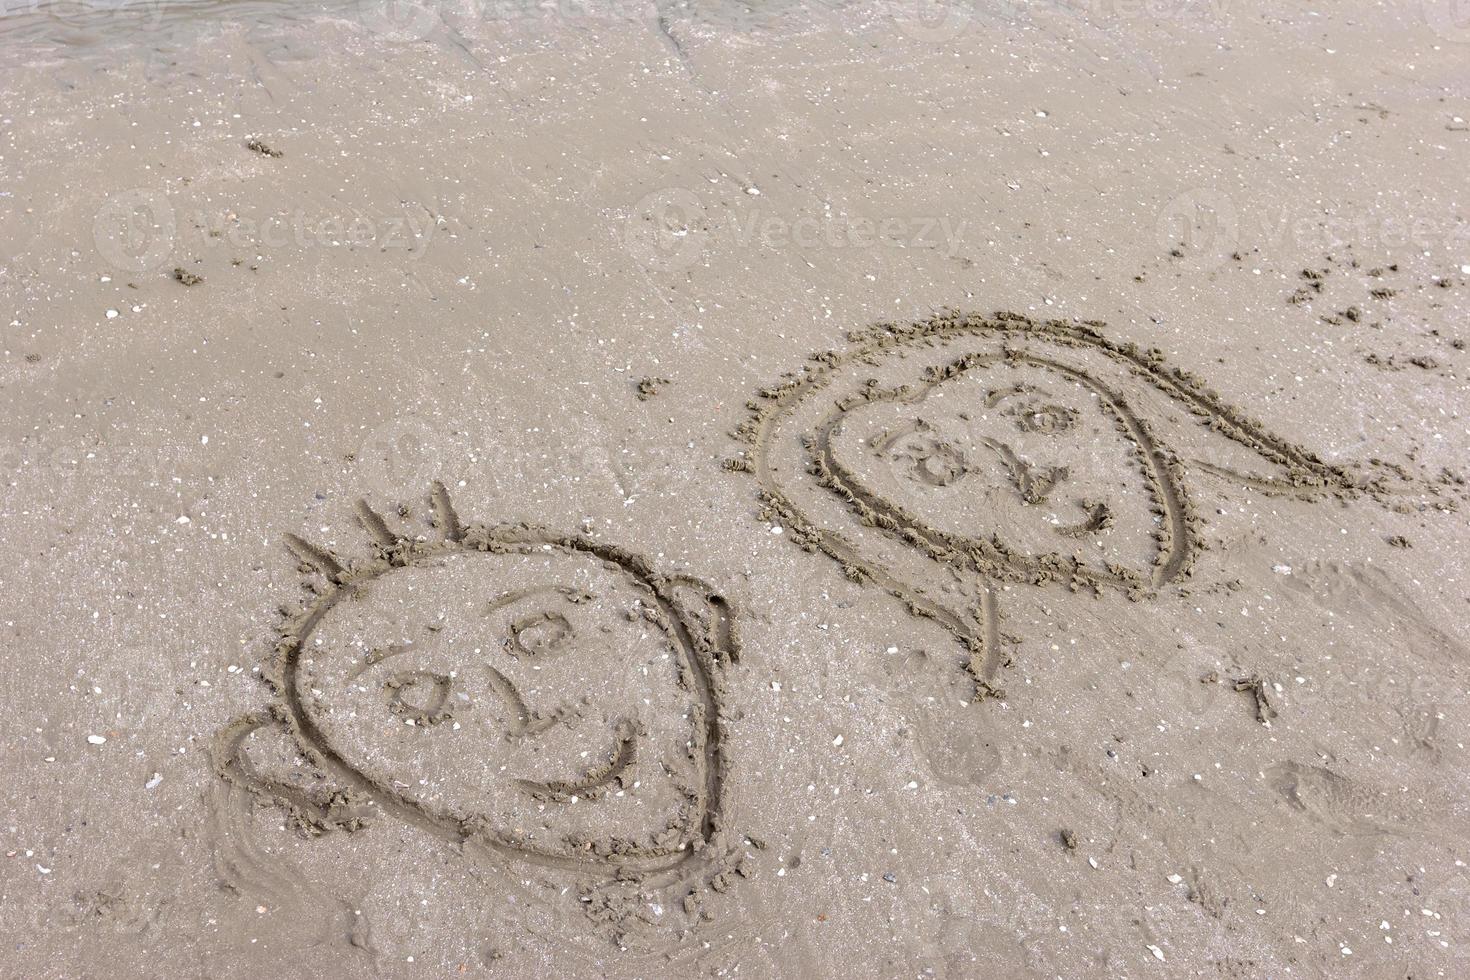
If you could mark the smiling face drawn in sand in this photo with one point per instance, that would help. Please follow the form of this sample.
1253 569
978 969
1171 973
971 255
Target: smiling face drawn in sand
1011 452
542 695
985 450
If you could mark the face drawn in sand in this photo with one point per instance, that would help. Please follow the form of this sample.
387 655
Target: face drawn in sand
942 458
544 696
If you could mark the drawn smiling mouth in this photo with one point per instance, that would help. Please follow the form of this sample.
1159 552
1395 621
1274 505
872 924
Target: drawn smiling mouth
1099 518
600 778
530 724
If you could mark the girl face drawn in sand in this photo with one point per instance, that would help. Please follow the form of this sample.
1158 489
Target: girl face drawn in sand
1010 452
984 450
539 694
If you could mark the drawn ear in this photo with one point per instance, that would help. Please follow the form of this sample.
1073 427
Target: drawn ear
705 609
257 753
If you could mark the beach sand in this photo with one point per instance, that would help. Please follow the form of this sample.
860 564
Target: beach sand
436 551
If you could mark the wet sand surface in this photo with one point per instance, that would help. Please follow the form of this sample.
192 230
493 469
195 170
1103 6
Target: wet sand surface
435 550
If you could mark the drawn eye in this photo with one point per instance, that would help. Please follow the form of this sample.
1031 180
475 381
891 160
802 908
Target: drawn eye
419 696
540 634
1043 417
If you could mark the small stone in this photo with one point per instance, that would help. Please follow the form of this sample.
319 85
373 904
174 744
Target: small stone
97 739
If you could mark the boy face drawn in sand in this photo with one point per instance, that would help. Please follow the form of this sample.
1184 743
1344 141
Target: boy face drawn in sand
542 695
984 450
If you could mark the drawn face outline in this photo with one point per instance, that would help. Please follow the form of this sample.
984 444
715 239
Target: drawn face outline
1007 562
322 748
703 649
803 486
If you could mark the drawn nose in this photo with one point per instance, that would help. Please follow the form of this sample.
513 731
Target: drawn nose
1033 483
1036 483
525 721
